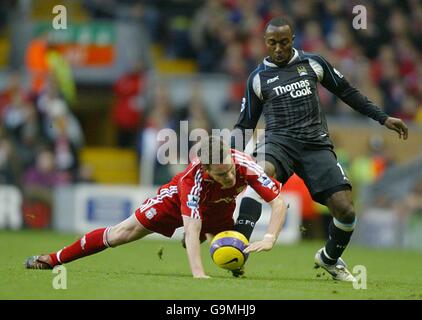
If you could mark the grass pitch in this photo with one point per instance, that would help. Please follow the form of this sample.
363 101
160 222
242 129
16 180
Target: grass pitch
136 271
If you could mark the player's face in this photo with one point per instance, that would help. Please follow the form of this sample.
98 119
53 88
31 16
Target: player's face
224 174
279 43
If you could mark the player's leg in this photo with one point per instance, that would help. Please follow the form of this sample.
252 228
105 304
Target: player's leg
249 213
251 206
91 243
340 231
127 231
328 185
341 227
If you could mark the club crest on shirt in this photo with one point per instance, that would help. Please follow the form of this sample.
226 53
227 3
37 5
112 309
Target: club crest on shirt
302 70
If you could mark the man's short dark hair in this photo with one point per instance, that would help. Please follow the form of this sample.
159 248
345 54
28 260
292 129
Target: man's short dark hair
279 22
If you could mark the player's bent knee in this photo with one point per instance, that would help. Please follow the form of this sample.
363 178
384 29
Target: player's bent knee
124 233
346 213
341 206
117 236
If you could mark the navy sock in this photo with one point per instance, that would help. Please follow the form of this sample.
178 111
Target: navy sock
339 238
249 214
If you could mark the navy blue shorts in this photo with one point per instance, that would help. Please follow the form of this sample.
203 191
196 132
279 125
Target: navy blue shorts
316 163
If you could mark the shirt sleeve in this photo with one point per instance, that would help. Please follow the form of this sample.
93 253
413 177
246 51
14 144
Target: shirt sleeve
267 188
190 188
250 112
336 83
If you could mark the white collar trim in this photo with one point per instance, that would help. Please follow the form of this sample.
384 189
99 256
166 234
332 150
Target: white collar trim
270 64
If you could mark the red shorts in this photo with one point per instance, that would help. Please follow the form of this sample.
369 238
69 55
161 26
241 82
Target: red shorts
158 219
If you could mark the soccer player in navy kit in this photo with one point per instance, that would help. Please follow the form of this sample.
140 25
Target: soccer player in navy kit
284 88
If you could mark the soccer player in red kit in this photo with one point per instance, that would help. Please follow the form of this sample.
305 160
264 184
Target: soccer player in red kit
201 199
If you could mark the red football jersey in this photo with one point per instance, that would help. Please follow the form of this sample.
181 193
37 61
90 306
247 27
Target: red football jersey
195 194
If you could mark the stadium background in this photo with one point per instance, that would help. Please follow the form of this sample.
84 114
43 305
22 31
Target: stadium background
80 107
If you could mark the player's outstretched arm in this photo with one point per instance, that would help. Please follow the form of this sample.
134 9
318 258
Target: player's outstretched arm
335 82
193 249
278 215
397 125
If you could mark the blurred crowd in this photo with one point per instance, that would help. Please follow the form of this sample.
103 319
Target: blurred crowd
39 135
226 36
139 115
41 138
222 36
383 61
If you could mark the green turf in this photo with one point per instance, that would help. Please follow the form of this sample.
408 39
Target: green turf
135 271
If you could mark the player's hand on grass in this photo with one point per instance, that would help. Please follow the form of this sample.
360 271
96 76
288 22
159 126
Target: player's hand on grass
397 125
